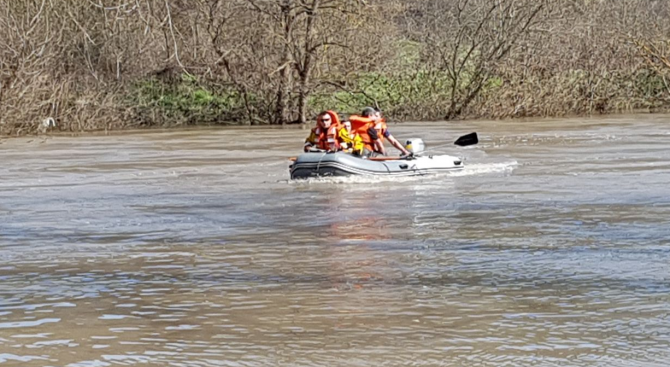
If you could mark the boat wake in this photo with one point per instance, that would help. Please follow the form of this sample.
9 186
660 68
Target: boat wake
486 168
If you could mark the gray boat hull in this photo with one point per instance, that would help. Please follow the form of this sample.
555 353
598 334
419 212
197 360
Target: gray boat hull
309 165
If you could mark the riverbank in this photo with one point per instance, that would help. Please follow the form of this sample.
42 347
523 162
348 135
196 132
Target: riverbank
184 102
107 126
172 64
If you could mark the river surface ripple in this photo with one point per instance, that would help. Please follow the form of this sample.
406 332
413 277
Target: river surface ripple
192 248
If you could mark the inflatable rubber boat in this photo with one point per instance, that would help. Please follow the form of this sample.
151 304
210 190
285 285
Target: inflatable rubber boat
319 164
323 164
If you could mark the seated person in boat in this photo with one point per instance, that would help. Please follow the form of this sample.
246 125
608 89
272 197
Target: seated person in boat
324 135
373 131
350 141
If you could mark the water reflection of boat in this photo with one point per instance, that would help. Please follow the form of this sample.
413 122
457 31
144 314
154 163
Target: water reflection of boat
342 164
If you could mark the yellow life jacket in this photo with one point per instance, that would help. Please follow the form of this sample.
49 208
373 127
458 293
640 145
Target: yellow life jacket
353 141
313 138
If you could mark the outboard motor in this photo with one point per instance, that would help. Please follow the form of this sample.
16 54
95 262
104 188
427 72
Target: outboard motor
415 146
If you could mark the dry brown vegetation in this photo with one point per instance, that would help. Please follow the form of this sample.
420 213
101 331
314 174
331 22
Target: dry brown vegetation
110 64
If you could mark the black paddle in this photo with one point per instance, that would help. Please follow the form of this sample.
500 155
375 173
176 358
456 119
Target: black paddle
465 140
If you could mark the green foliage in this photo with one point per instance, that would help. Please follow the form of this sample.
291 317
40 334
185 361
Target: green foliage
494 83
416 94
409 53
184 101
650 84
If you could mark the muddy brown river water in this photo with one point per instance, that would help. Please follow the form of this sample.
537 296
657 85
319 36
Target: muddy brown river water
192 248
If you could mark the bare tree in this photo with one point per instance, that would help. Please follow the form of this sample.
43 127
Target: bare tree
327 34
477 36
27 90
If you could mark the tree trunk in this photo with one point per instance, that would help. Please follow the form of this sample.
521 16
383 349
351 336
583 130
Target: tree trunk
284 86
306 69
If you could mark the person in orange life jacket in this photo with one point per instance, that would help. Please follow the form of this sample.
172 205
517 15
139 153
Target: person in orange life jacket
373 130
383 132
324 135
364 124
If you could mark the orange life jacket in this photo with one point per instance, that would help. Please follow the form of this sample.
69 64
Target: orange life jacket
328 137
362 124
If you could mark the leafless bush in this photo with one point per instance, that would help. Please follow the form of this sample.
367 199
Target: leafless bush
281 50
66 60
575 57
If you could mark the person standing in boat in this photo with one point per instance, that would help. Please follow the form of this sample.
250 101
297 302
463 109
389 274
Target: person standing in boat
325 135
350 141
373 131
